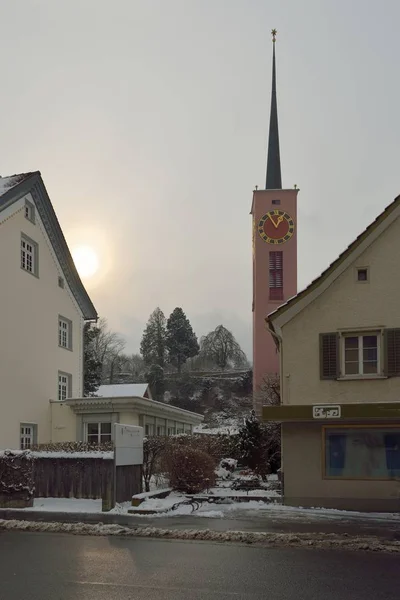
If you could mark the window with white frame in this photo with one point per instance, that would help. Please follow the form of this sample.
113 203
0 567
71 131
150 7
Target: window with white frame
29 255
98 433
361 354
27 436
64 386
64 333
149 429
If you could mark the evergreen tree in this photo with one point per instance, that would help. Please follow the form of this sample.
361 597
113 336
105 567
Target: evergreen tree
92 365
252 444
181 339
153 344
155 379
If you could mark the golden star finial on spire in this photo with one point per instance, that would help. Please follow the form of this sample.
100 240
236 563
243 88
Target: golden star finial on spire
274 32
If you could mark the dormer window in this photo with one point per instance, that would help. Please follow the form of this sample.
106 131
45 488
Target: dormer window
29 211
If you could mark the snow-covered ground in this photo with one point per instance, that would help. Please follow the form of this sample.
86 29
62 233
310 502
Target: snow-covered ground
223 429
225 510
68 505
327 541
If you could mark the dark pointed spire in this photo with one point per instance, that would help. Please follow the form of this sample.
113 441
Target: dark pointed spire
274 178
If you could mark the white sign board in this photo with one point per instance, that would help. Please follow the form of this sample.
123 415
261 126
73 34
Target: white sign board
128 440
327 411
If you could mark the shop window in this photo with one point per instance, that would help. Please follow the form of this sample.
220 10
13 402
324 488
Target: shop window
362 452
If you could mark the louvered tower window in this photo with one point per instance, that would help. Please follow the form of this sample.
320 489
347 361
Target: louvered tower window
276 275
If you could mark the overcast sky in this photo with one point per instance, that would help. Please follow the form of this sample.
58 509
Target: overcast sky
148 120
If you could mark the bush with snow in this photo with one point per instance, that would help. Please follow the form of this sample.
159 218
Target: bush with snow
73 447
189 470
223 473
16 476
229 464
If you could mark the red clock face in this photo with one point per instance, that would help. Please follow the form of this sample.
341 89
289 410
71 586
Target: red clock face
276 227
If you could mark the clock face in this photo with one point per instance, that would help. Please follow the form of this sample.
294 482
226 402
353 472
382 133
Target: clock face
276 227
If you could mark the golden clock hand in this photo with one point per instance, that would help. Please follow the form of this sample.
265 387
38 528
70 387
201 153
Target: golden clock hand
273 222
278 221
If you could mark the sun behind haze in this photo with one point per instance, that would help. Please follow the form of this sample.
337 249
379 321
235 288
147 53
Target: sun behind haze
86 261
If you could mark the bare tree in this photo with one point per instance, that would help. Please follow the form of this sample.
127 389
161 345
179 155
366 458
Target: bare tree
270 390
222 348
131 368
153 448
108 346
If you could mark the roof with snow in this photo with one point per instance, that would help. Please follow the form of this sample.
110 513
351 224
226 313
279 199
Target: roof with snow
7 183
123 390
14 188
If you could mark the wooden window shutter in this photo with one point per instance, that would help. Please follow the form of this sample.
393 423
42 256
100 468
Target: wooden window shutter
392 352
329 355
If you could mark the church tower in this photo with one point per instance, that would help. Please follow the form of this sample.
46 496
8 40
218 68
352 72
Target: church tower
274 214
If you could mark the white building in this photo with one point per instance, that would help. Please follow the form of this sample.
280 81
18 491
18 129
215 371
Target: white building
43 309
91 419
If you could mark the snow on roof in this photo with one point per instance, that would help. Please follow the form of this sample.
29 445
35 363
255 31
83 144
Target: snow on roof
226 430
123 390
6 183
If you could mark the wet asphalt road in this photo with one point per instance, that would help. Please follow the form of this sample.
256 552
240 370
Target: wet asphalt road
64 567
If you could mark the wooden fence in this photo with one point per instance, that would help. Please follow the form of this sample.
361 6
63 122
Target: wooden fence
86 478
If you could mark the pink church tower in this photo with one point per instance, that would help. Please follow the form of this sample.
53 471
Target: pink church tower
274 213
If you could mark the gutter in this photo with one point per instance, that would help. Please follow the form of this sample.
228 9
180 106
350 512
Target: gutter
81 405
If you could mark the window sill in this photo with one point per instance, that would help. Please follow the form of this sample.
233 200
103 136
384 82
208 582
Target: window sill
360 377
30 272
65 348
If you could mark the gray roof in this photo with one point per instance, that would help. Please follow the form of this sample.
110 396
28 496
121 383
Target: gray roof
13 189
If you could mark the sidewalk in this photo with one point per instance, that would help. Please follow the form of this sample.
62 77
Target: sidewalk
285 520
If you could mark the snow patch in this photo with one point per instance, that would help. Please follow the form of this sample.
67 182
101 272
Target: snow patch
225 430
327 541
122 390
69 505
7 183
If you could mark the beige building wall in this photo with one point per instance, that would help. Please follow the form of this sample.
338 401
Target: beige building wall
30 357
129 418
345 304
63 423
304 485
